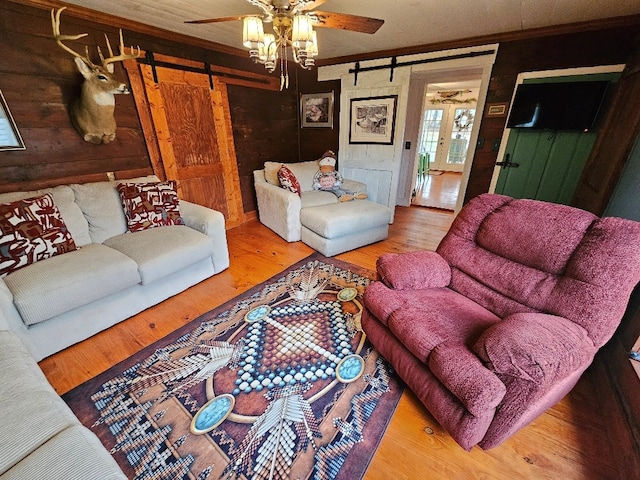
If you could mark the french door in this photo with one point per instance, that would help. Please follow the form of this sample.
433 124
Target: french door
445 137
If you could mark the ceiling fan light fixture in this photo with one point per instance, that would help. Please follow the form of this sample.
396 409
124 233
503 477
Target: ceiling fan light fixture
292 22
302 34
268 52
252 33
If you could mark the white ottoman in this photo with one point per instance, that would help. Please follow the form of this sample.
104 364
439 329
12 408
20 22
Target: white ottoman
338 227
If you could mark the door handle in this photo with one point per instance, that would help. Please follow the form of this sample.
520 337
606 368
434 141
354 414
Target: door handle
507 163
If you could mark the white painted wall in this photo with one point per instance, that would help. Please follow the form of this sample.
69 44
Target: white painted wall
380 166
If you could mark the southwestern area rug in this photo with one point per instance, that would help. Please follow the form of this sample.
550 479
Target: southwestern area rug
277 383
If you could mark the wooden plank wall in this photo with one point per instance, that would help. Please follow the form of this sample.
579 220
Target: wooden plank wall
591 47
39 79
315 141
265 128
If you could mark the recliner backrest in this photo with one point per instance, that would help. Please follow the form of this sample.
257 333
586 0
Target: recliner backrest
519 255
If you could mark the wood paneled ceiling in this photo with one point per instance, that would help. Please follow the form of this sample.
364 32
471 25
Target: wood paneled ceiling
407 22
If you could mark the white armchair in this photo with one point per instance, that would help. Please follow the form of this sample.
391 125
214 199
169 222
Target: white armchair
279 209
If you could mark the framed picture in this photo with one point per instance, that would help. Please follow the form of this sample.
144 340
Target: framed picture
373 120
316 109
10 138
497 109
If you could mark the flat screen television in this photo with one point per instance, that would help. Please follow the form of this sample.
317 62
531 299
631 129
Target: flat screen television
572 106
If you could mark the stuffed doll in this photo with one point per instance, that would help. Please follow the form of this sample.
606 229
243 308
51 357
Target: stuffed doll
328 179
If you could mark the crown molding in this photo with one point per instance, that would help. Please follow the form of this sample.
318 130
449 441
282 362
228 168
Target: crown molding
569 28
131 25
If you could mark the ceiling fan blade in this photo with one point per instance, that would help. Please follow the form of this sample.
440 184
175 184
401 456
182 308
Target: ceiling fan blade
345 21
216 20
313 5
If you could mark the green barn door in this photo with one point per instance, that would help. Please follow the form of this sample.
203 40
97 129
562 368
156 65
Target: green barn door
544 165
547 165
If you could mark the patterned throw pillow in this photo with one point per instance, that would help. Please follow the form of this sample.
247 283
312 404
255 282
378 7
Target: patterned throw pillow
288 180
30 230
149 205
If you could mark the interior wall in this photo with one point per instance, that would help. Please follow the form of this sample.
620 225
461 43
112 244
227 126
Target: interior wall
39 79
625 201
314 141
385 168
258 133
588 48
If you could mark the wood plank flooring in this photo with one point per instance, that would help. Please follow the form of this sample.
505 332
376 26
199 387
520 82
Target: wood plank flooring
438 191
571 441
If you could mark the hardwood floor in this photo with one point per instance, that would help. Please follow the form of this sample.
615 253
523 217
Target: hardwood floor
438 191
570 441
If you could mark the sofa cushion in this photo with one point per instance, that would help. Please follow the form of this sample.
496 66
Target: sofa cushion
271 172
449 317
31 229
159 252
149 205
73 454
304 172
64 199
313 198
32 412
288 180
101 206
62 283
332 221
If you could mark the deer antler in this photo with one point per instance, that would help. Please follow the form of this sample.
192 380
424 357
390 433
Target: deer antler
118 58
55 24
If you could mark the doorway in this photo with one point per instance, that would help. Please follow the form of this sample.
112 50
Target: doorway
547 165
447 121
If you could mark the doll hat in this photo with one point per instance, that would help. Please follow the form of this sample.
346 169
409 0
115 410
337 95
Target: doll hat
328 159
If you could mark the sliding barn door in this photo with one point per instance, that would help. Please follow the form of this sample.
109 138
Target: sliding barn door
193 127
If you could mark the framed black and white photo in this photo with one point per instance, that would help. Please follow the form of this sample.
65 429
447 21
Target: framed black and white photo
373 120
316 110
10 138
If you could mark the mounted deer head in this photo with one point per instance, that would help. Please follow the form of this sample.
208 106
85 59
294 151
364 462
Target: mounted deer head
93 113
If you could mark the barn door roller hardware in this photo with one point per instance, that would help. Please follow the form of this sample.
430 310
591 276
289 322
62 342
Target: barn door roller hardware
207 68
393 64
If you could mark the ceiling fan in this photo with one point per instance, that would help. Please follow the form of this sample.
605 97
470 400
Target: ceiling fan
292 22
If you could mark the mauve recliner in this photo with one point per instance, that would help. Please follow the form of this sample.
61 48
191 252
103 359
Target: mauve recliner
501 321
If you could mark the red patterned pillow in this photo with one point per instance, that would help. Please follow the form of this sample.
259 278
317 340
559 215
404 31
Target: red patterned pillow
288 180
30 230
149 205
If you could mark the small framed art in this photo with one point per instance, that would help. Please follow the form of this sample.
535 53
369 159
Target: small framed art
497 109
10 138
316 110
373 120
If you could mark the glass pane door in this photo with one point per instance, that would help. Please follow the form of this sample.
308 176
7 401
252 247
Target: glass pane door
431 137
459 138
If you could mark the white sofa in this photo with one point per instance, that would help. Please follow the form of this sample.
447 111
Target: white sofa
316 217
114 274
40 438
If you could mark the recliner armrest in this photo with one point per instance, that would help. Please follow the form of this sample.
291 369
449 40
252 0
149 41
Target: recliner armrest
464 375
380 301
413 270
537 347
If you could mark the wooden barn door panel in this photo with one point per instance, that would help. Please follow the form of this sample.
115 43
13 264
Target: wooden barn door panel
193 129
